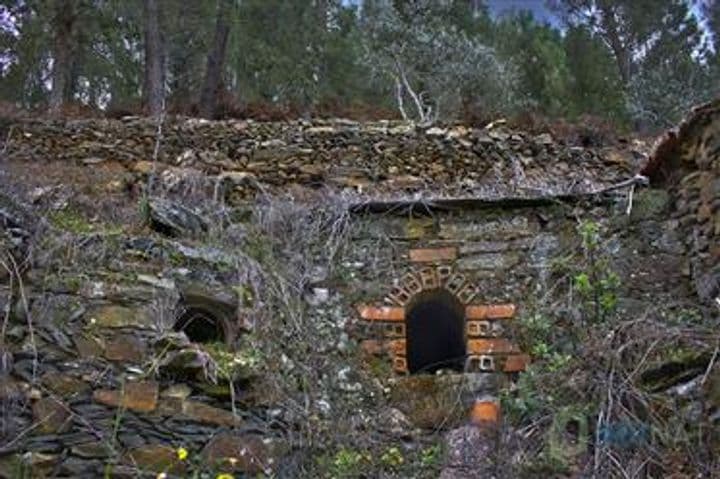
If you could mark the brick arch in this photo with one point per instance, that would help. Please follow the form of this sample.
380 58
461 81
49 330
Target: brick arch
486 348
435 332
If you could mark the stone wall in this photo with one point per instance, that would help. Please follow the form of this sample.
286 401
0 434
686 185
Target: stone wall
375 160
502 261
96 395
686 162
94 372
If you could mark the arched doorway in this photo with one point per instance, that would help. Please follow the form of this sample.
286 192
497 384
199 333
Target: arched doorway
435 323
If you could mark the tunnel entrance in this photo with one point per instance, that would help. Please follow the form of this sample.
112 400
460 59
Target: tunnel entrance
200 326
435 322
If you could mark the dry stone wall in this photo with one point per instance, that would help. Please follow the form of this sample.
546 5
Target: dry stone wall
383 160
686 162
102 377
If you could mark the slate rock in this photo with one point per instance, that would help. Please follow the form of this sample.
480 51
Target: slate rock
173 219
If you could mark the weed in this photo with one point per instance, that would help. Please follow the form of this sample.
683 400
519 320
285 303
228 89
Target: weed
70 220
431 456
346 463
392 458
596 283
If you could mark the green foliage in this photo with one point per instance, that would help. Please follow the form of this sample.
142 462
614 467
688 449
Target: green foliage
538 51
432 66
595 86
144 209
537 328
381 460
70 220
74 222
596 283
669 81
431 456
392 458
648 65
234 363
526 401
346 463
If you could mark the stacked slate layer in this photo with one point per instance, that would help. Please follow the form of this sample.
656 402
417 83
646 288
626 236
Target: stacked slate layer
686 161
378 161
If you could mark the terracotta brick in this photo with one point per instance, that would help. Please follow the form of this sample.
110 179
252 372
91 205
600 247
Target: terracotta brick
479 328
381 313
485 413
490 311
400 365
483 363
394 330
429 255
491 346
397 347
516 363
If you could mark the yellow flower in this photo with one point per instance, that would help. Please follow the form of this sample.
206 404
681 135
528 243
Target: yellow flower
182 453
225 476
161 475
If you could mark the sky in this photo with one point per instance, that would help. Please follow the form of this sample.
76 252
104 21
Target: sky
537 7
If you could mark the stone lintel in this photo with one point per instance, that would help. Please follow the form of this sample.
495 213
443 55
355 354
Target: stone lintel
431 255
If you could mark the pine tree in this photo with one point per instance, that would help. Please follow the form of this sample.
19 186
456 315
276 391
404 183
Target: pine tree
596 86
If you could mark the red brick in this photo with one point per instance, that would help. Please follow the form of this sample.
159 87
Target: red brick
397 347
394 330
485 413
490 346
490 311
381 313
479 328
429 255
400 365
482 363
516 363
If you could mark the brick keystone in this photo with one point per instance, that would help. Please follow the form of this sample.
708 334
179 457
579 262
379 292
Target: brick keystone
429 255
491 346
485 413
490 311
381 313
516 363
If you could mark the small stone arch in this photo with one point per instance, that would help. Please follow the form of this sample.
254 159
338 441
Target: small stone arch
205 319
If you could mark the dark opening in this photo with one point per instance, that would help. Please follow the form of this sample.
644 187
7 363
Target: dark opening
435 333
200 326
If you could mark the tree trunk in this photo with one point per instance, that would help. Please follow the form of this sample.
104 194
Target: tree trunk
621 51
215 62
63 23
476 7
154 80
